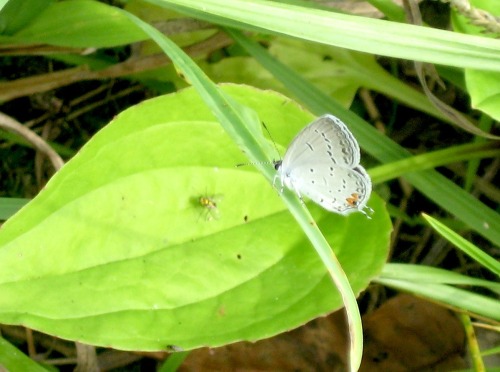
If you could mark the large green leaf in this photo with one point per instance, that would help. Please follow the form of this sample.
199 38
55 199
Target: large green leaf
118 237
80 23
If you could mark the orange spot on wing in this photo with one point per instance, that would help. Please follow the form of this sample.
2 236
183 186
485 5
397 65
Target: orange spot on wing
353 201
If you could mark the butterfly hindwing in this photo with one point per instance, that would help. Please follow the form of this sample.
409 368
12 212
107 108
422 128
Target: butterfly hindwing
337 189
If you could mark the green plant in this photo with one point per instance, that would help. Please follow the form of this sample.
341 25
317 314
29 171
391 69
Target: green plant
121 217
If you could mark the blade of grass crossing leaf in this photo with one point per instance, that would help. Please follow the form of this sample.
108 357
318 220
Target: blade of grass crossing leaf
436 187
464 245
230 115
303 217
233 117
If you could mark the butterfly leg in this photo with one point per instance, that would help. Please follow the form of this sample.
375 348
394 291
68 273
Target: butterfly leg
274 182
297 192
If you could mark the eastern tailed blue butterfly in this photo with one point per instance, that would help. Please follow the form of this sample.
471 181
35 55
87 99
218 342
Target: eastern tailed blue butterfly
322 163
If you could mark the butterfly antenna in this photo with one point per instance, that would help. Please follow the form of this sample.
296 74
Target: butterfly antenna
253 163
264 162
272 140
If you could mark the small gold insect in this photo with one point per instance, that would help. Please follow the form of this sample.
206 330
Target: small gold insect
209 203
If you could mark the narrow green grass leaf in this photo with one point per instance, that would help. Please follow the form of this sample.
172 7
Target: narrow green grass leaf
472 343
451 296
434 275
485 124
13 360
464 245
493 350
174 361
9 206
434 159
351 32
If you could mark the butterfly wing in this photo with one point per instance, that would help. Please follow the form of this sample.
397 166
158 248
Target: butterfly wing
325 138
337 189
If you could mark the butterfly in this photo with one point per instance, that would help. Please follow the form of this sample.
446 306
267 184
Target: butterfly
322 163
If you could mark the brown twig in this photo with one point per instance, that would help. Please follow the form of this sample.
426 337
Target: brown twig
41 83
10 124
